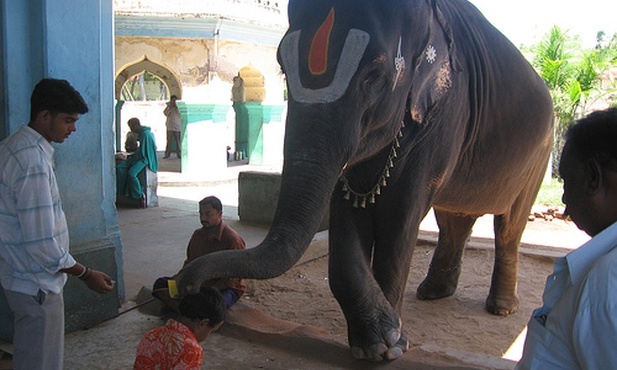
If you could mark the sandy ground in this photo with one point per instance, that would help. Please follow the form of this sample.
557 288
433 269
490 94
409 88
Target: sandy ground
302 296
460 322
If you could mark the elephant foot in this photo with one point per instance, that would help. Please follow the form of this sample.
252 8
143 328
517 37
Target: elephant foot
438 285
379 340
502 306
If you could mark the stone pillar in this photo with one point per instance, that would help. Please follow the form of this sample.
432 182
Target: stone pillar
204 148
255 145
242 129
248 93
274 134
118 128
249 131
43 37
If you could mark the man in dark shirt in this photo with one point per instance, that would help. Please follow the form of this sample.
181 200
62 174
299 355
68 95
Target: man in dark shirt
213 236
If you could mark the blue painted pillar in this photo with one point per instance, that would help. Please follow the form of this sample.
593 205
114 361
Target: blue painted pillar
72 40
117 126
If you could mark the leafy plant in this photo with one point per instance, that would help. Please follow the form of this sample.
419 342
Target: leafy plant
550 194
574 77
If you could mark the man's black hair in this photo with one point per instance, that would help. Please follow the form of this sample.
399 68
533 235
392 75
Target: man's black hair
595 136
134 121
213 201
207 304
56 96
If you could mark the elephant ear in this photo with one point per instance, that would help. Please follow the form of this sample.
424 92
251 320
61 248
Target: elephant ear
433 67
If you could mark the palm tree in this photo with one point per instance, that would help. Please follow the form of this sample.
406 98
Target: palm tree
573 76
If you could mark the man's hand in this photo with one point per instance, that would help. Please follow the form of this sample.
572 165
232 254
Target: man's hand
99 281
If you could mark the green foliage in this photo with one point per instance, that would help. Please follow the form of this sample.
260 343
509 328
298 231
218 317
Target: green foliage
144 86
574 77
550 193
552 57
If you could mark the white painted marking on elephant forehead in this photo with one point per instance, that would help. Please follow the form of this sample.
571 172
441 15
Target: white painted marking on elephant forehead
431 54
353 50
399 63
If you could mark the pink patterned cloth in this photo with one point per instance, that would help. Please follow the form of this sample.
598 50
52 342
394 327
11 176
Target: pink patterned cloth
170 347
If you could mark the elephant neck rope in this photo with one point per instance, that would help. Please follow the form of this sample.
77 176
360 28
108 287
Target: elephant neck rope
359 199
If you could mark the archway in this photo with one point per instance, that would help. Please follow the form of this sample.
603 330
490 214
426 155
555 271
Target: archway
144 64
128 71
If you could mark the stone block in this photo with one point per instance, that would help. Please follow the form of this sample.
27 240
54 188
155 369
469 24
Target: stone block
150 179
258 194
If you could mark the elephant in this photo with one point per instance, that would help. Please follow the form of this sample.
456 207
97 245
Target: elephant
395 108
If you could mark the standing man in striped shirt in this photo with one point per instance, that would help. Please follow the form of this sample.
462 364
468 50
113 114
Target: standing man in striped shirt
34 239
173 123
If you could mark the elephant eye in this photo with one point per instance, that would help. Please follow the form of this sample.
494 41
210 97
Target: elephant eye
376 74
374 78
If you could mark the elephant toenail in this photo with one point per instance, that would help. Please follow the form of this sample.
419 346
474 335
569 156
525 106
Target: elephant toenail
394 353
393 337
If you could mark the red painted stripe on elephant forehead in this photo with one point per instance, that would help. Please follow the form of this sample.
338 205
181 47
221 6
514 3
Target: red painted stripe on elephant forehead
318 55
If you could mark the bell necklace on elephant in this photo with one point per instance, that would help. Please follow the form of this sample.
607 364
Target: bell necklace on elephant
360 198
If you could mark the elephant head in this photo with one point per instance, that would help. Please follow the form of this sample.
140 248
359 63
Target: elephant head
353 68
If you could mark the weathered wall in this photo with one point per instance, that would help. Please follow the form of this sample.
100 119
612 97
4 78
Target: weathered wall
188 58
204 52
193 59
261 57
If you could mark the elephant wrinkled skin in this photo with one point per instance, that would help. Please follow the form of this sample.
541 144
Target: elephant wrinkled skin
396 107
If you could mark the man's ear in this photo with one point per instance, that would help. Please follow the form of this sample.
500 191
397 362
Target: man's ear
44 115
593 176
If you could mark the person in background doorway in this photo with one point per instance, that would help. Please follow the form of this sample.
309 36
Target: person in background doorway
173 123
132 142
127 182
576 327
34 238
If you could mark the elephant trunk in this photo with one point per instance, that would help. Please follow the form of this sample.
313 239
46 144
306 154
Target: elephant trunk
305 191
304 197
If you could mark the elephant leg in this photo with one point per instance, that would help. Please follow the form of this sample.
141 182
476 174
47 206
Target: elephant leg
445 269
502 298
392 255
373 325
